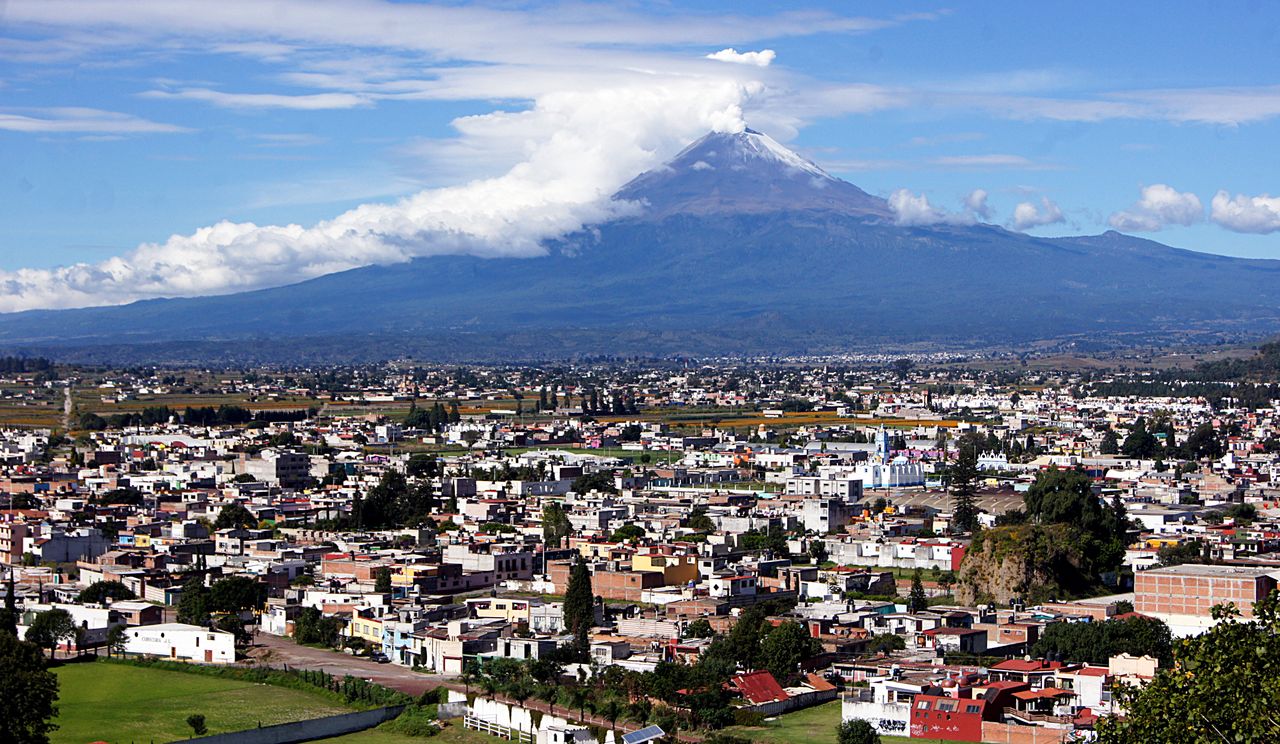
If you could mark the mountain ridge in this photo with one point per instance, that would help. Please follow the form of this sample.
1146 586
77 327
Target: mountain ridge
760 251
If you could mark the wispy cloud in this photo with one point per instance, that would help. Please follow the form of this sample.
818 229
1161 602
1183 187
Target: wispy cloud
306 102
81 120
288 139
988 162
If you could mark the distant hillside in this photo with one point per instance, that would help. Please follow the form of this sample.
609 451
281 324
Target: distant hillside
1263 367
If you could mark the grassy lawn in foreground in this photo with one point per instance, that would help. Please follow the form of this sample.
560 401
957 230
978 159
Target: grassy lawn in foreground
119 703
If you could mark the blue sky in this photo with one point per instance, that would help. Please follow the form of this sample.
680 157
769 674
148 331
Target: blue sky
276 140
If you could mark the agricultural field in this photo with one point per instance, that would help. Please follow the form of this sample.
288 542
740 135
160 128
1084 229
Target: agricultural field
30 415
120 703
27 405
92 400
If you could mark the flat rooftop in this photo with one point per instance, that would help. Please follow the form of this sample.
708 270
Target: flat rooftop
1196 569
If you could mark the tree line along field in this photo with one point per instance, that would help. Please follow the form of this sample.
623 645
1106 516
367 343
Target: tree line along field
118 703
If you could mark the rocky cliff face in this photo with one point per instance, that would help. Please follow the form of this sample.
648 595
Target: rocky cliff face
1028 562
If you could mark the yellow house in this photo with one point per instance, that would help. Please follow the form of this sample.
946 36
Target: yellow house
675 569
510 609
407 575
366 628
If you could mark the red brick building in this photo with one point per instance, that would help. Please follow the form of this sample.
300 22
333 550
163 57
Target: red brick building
1184 596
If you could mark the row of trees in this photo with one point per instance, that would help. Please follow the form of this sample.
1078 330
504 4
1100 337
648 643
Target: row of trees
433 418
1096 643
619 404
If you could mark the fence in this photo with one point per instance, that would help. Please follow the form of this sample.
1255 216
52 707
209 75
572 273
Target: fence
485 726
315 728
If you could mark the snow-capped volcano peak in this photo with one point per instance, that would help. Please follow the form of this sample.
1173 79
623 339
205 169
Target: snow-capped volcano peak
745 171
749 144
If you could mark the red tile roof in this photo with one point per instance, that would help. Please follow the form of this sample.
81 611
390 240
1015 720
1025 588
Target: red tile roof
759 687
818 683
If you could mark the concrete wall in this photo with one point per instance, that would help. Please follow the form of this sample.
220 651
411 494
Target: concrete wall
316 728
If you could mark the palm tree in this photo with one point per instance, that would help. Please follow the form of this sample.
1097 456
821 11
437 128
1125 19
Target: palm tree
520 690
580 698
489 684
548 692
612 710
639 709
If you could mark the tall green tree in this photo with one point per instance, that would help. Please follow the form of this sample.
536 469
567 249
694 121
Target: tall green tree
236 593
50 628
117 639
193 604
964 491
234 515
9 615
579 605
28 693
916 600
1141 443
785 647
382 580
555 525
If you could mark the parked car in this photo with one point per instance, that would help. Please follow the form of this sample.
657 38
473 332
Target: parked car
380 657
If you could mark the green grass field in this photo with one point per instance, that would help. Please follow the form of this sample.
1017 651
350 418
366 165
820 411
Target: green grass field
453 734
816 725
121 704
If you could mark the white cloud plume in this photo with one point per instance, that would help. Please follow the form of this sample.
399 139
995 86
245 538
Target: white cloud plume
599 139
976 202
1246 214
762 58
1028 215
1158 206
915 210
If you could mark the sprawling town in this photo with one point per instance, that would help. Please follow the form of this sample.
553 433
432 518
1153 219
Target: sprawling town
697 551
